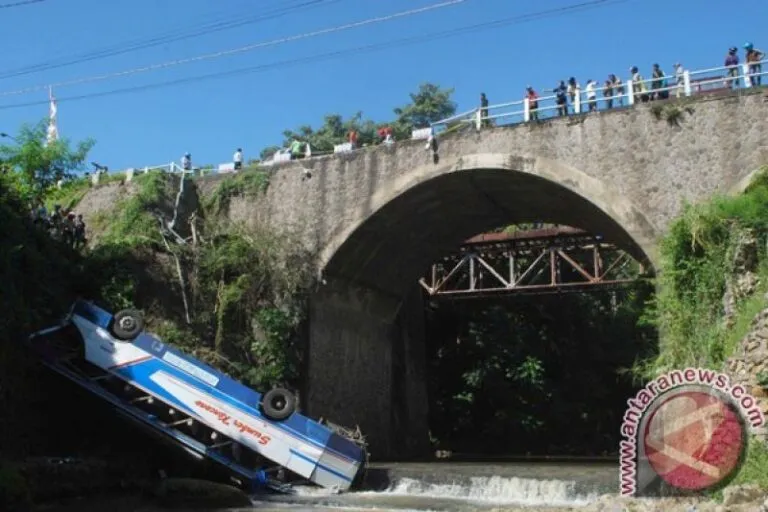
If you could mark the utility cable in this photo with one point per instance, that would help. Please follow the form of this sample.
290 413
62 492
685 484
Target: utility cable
19 4
233 51
331 55
178 35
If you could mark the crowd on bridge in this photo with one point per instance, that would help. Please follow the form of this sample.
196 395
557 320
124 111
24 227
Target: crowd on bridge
569 99
62 224
614 91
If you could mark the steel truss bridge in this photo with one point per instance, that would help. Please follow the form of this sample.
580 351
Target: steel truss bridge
552 260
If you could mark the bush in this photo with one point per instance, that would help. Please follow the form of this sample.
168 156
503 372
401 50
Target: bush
697 258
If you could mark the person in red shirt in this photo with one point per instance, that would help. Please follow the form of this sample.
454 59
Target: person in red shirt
385 133
533 103
353 138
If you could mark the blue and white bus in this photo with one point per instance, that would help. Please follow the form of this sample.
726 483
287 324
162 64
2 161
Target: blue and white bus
209 414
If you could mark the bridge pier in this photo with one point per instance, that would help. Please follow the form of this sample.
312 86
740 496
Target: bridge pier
367 365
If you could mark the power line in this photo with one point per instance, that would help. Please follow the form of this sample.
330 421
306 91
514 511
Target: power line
178 35
19 4
242 49
331 55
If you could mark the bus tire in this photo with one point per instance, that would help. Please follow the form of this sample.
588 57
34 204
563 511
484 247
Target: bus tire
277 404
127 324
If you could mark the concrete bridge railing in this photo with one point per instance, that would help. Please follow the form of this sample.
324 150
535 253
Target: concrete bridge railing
685 83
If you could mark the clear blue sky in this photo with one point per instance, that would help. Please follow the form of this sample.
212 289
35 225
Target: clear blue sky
211 118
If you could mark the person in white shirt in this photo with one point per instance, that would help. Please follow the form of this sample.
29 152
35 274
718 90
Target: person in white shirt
592 95
573 91
679 79
238 159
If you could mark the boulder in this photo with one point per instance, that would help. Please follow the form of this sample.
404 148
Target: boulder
740 494
193 493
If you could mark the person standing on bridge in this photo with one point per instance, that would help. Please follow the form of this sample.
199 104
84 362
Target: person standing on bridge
639 87
561 98
592 95
533 103
385 134
618 89
573 91
679 80
608 93
295 149
732 63
659 84
238 159
484 121
186 162
754 57
432 145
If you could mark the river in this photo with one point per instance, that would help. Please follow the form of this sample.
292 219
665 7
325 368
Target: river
459 487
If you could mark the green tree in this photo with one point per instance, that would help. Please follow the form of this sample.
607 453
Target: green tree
333 131
429 104
36 166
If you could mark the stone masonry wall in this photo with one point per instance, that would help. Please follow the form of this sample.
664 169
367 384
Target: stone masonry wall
643 161
750 361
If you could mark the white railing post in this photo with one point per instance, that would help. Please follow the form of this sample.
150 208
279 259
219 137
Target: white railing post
526 110
745 73
479 118
577 101
687 82
630 92
128 175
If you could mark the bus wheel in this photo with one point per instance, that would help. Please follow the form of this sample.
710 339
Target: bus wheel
127 324
277 404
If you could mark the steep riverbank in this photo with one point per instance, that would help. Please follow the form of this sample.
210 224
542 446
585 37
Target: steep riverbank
232 297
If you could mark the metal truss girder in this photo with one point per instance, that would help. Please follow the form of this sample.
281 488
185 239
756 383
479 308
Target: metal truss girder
573 263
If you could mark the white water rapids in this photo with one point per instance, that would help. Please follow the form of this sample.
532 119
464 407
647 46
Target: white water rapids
466 494
496 490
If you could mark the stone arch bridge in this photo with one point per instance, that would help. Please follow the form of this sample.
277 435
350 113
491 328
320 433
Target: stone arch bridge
378 217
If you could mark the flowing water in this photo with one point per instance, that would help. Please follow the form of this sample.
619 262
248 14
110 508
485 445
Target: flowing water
459 487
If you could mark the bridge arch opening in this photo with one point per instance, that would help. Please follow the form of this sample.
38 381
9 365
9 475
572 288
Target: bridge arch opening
436 207
368 359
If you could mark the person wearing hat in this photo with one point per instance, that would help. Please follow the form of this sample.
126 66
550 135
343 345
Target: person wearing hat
639 87
238 159
186 162
732 63
754 57
561 95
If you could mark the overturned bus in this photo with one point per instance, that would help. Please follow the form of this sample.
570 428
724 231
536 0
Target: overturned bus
254 436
